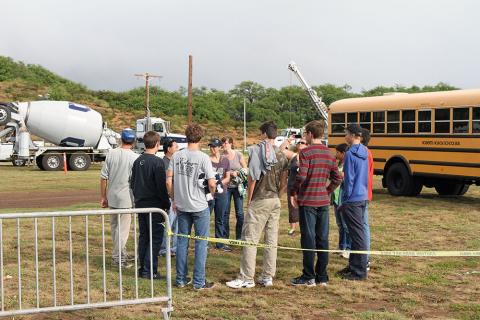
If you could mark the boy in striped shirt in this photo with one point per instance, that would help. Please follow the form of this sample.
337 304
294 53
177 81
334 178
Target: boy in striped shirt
311 192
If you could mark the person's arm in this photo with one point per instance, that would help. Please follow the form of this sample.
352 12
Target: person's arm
103 192
335 178
243 163
348 174
303 166
210 176
283 183
104 184
250 188
161 185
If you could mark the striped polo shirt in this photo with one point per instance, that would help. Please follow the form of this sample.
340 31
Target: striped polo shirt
316 168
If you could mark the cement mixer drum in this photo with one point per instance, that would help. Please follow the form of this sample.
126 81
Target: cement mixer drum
63 123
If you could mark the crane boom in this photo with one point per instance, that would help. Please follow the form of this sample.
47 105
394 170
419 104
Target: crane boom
318 103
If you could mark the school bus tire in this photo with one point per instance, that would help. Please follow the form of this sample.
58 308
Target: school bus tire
417 186
449 188
464 189
398 180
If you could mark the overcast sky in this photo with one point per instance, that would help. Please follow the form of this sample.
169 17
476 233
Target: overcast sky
103 43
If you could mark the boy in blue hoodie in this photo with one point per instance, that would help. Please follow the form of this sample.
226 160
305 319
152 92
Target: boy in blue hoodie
354 198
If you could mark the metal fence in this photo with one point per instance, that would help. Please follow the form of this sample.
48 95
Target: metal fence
53 275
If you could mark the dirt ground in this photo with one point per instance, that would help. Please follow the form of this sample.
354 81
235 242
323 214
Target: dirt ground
39 199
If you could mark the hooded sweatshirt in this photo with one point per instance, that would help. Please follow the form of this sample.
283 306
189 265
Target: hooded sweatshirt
355 174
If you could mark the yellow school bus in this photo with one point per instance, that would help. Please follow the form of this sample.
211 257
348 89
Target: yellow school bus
423 139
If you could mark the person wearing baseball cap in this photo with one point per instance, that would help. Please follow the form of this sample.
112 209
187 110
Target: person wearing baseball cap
219 204
354 199
115 193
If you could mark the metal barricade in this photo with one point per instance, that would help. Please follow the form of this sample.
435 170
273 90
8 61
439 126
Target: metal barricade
40 301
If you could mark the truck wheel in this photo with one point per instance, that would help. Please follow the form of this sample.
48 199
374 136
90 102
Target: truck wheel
79 161
399 182
4 115
52 162
38 161
449 188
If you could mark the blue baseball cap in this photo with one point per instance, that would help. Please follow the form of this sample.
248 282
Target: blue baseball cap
128 136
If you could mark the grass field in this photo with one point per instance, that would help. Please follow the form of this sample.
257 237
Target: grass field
397 288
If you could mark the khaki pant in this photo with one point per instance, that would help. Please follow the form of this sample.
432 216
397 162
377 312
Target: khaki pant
125 220
262 215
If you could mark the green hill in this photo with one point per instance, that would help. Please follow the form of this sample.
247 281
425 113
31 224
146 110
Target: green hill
220 112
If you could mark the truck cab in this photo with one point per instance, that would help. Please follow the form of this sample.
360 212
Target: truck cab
162 127
285 133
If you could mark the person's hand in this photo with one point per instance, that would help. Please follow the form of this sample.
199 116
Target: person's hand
233 173
104 202
293 201
174 206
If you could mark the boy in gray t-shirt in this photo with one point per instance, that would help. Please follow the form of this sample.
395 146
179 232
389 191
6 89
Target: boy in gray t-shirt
190 201
187 165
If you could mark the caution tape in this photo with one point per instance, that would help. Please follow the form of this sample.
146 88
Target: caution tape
396 253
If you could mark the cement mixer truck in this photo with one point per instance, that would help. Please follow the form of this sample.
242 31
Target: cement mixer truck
72 130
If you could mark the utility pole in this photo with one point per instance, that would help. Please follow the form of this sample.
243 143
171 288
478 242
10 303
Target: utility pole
244 125
147 77
190 116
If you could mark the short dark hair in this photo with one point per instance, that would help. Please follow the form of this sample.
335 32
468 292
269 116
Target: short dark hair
194 133
270 129
342 147
316 128
365 137
354 129
228 139
167 143
150 139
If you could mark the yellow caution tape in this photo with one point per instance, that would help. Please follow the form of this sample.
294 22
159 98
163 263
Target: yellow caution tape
396 253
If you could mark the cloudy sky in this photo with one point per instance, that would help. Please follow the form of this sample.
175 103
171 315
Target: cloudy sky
103 43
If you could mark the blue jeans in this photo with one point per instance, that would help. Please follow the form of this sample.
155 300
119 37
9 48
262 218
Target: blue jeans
201 223
144 241
238 202
367 229
220 206
353 213
344 241
314 224
172 217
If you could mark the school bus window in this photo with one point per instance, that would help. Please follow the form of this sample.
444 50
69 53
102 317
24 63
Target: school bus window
476 120
393 122
379 122
352 117
424 121
365 120
408 121
338 123
460 120
442 121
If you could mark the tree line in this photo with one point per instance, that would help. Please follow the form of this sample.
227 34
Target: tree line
288 106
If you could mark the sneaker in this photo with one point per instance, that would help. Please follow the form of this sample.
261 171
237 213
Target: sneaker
291 232
226 249
301 281
351 276
239 283
345 254
343 271
155 276
184 284
265 281
206 286
125 264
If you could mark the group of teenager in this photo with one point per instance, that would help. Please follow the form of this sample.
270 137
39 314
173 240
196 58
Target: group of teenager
190 185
